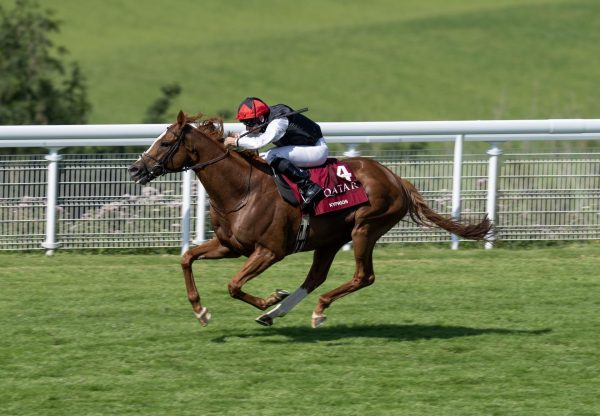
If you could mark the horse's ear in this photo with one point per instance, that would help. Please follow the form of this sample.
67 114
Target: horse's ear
181 117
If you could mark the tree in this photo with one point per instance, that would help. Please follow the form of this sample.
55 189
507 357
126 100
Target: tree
36 87
157 111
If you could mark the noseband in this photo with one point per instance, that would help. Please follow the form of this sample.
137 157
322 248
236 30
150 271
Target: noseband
160 168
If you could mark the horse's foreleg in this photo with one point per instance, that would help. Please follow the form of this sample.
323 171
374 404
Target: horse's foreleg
210 250
258 262
363 275
322 260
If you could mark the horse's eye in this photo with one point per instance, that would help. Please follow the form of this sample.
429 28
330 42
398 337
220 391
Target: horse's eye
165 144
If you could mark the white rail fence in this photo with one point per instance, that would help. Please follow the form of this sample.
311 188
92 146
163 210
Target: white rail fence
85 201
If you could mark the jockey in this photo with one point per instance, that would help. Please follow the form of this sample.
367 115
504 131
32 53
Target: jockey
298 142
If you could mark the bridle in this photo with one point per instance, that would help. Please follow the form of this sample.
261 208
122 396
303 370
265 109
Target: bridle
160 168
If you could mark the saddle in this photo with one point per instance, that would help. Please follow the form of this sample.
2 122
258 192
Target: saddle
285 190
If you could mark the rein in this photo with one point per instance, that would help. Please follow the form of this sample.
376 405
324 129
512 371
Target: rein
202 165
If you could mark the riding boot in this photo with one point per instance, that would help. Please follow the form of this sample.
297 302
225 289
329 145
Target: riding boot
309 191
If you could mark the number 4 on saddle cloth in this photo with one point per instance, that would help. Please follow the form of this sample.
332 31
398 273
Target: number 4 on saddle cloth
341 188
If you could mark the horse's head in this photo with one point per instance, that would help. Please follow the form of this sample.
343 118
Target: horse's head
173 151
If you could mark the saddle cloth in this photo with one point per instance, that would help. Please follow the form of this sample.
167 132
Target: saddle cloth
341 188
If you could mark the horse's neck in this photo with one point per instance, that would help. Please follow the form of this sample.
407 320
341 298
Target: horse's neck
227 182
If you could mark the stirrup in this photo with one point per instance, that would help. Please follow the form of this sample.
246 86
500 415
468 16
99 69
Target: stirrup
307 202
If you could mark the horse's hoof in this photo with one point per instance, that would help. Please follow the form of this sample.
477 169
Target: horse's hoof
318 320
281 294
264 320
277 296
204 316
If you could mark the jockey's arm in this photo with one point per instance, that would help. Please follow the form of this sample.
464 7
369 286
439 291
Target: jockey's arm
275 131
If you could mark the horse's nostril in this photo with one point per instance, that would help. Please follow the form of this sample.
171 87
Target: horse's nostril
133 169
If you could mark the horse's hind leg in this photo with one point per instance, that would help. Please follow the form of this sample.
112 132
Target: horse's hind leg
363 275
212 249
322 260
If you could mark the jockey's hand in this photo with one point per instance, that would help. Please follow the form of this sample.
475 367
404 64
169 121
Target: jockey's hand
231 141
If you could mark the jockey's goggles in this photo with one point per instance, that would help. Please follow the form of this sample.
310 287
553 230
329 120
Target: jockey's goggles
251 122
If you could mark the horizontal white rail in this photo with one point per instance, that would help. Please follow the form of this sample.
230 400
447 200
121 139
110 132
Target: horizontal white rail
336 132
558 126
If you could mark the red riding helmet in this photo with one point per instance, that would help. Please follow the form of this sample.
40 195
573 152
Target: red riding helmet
252 107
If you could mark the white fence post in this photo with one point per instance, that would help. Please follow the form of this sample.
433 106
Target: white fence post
51 196
350 152
456 185
200 214
186 208
492 189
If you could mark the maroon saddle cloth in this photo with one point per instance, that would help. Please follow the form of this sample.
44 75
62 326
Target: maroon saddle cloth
341 188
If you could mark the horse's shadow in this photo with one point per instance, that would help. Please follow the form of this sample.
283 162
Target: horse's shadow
391 332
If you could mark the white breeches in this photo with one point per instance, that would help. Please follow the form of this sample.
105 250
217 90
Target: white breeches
301 156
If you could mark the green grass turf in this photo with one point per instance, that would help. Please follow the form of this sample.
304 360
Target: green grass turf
473 332
347 60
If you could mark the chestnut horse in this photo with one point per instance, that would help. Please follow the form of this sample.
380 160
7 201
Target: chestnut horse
251 219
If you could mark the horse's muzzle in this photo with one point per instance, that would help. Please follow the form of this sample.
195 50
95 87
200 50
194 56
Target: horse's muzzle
139 173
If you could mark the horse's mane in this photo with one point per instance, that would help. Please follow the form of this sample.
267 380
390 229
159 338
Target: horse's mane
211 126
214 129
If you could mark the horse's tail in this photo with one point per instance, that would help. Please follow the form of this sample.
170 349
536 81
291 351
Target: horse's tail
422 215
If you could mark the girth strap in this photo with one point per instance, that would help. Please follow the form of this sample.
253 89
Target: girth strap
302 233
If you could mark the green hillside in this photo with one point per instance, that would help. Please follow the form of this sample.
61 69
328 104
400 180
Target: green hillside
345 59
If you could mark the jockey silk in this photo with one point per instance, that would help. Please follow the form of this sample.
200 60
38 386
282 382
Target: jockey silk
301 130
